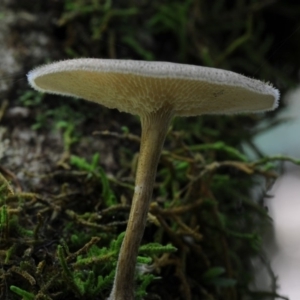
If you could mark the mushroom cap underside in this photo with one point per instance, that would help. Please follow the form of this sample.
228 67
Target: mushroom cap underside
140 87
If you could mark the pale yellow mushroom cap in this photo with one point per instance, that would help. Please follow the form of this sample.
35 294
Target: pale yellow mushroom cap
142 87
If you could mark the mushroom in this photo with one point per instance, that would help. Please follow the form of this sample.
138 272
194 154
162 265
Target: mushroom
156 91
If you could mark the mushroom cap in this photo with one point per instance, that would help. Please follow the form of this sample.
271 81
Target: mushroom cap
143 87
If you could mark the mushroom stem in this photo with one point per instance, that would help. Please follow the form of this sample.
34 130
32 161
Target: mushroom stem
154 130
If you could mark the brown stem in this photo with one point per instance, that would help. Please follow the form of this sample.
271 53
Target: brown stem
154 129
